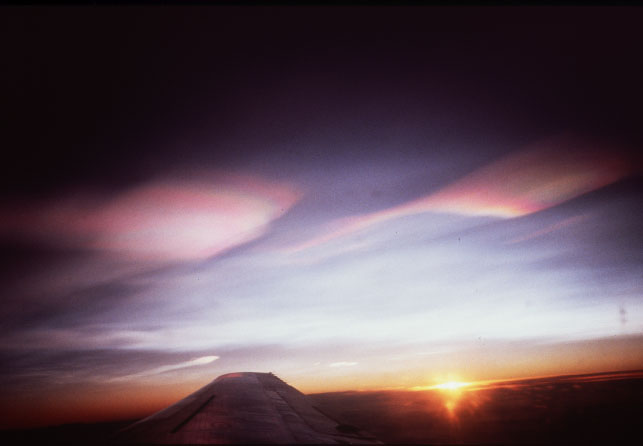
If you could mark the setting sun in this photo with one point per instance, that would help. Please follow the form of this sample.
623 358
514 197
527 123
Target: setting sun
425 223
447 385
450 385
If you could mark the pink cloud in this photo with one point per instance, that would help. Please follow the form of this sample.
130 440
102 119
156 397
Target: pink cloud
536 178
533 179
170 219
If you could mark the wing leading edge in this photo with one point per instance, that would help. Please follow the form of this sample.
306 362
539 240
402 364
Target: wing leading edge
243 408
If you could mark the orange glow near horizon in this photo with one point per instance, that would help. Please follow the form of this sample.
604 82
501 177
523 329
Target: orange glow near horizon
455 380
452 392
449 385
90 404
129 403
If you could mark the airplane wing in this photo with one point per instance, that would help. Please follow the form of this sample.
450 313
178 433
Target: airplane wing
243 408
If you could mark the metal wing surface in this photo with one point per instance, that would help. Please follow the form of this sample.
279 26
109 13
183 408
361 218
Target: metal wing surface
243 408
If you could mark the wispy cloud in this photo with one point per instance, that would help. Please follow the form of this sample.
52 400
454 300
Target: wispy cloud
550 228
342 364
170 219
536 178
167 368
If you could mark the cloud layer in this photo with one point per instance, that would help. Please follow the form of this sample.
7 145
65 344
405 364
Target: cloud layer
162 220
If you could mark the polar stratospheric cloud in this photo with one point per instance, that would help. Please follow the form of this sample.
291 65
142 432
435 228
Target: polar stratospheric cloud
352 199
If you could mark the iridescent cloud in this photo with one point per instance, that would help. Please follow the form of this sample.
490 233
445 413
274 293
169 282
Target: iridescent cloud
536 178
164 220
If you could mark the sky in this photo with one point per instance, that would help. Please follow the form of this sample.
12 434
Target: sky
351 198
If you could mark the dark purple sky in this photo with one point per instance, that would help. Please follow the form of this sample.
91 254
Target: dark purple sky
373 195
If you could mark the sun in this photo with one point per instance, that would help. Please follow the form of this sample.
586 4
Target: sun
451 385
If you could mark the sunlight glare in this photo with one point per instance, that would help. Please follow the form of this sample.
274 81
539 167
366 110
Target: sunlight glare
451 385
